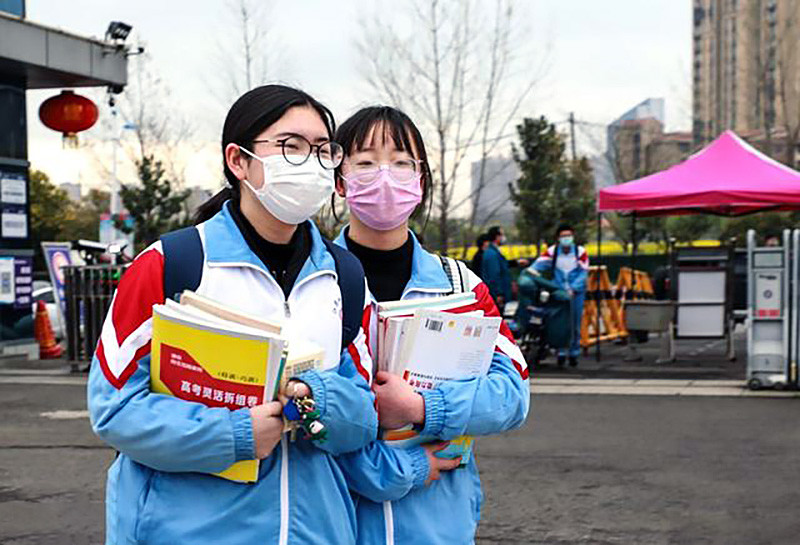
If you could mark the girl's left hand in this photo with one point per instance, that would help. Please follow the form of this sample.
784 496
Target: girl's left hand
398 403
293 389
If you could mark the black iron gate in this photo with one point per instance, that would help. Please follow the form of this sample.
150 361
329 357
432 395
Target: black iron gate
89 290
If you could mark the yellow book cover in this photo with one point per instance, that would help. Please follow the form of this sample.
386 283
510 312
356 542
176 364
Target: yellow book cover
217 364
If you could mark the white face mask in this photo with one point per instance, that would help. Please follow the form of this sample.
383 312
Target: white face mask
292 193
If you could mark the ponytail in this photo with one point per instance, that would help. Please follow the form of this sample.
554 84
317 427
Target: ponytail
212 206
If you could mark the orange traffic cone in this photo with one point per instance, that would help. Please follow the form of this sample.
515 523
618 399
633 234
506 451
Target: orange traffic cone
43 331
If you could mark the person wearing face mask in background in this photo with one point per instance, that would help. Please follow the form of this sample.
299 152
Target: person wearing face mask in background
258 252
568 266
403 494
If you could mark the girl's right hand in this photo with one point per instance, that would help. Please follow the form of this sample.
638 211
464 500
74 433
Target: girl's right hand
267 427
437 465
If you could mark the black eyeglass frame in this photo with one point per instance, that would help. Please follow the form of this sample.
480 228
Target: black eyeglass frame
311 147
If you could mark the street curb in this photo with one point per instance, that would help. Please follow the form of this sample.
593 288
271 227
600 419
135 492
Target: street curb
538 386
652 387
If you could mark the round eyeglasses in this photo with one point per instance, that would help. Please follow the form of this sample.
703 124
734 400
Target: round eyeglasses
296 149
400 170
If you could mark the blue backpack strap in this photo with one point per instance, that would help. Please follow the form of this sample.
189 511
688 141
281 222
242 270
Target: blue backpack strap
352 286
183 261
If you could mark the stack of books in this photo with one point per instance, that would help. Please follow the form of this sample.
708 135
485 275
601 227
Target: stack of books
430 340
205 352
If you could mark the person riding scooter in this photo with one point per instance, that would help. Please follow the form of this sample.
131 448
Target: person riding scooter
568 265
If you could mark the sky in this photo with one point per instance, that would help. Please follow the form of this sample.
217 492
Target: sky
600 58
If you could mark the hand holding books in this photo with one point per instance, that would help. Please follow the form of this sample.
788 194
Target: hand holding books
425 342
398 403
437 465
293 389
205 352
267 427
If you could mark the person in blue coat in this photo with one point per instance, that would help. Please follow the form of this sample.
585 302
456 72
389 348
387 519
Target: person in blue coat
495 268
410 496
263 256
567 264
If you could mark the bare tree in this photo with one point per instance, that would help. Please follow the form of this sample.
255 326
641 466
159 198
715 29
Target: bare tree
248 60
157 126
142 122
461 75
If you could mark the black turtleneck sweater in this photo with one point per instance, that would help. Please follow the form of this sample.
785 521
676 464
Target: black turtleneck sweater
283 261
388 271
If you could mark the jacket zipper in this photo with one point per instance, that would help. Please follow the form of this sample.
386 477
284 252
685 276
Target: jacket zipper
283 536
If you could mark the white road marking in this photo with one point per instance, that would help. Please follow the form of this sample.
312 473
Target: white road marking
65 415
47 372
74 380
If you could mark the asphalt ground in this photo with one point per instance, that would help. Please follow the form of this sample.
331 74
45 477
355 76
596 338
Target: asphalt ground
620 465
699 359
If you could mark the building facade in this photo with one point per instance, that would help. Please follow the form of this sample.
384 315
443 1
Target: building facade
745 68
637 144
33 56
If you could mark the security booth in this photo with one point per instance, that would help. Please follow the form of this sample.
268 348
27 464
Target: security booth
34 56
702 284
769 314
794 309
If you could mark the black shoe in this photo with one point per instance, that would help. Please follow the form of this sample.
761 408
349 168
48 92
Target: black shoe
573 361
561 361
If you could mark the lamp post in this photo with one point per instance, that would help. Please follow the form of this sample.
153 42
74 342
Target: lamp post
116 202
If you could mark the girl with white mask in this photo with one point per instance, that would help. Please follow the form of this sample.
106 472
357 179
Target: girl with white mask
259 253
385 178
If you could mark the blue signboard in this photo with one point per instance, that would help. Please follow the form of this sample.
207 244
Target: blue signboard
57 255
14 7
23 282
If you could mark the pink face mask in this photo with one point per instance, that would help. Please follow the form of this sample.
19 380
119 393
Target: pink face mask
382 204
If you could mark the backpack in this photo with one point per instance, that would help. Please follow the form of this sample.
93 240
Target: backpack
455 273
183 269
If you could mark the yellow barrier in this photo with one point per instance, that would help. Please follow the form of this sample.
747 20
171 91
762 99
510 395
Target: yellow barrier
611 323
610 248
612 303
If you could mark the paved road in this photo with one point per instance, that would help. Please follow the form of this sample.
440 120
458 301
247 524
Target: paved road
586 469
645 470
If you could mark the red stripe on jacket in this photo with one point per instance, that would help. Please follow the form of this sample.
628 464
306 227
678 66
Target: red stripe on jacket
140 288
485 302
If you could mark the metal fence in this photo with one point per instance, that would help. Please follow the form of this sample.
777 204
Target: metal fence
89 290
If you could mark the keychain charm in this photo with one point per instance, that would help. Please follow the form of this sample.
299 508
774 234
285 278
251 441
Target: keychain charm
302 412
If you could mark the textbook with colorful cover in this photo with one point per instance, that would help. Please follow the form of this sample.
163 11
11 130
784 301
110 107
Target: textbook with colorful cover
427 341
205 352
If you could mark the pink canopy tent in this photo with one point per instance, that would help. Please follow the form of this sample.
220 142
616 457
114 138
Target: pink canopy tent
727 177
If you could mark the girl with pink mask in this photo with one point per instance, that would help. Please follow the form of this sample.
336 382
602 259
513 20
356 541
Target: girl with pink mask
402 494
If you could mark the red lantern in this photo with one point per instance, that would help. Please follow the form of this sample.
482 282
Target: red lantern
69 114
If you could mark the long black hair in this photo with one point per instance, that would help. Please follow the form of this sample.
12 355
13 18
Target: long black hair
353 133
250 115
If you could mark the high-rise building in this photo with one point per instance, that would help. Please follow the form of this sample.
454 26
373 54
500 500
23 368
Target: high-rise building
637 144
745 63
651 108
